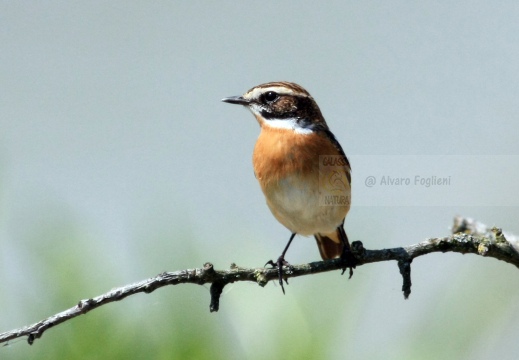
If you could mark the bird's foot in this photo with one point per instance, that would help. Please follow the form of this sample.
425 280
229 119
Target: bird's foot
279 264
349 261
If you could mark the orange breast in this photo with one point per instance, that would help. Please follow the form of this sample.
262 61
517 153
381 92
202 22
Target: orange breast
280 152
287 166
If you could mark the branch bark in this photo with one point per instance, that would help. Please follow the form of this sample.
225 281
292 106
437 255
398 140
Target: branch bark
468 236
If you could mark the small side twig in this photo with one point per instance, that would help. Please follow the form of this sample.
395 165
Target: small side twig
405 271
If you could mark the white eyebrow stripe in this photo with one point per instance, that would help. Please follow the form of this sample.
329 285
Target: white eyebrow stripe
282 90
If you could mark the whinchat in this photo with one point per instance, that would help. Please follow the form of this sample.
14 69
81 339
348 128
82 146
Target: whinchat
301 168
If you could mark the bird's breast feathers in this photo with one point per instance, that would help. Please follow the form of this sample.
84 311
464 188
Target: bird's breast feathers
289 168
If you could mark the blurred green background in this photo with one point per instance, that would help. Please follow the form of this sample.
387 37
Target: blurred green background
118 162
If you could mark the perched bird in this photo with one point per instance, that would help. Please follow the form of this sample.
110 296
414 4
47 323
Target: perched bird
301 168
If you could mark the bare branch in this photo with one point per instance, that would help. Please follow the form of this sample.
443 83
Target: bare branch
468 236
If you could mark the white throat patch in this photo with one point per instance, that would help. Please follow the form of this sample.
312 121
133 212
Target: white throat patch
288 124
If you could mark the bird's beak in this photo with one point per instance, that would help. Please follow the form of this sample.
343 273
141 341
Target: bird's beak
240 100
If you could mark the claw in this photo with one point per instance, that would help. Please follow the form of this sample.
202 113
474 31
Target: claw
271 263
350 262
281 261
279 265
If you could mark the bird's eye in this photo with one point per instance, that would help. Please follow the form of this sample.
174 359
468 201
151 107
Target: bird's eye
271 96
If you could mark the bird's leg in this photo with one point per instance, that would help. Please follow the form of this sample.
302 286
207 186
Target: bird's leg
347 256
282 262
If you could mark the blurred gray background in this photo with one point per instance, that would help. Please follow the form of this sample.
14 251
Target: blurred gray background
118 161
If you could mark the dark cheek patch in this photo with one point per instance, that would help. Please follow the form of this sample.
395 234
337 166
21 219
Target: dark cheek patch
285 105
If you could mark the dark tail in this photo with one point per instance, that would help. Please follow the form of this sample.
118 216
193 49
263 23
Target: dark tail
332 245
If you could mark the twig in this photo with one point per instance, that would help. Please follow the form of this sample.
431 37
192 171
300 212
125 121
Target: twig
468 236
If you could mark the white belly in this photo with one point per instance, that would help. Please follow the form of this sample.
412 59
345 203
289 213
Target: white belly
308 207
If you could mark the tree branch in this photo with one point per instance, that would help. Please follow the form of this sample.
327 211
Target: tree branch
468 236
